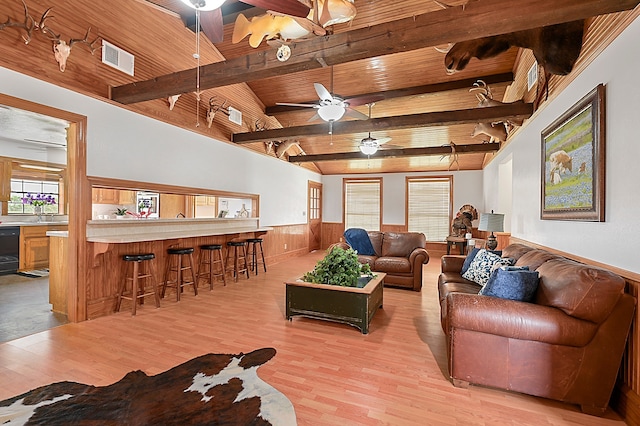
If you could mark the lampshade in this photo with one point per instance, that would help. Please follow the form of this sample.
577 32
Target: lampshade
368 149
493 222
204 5
331 112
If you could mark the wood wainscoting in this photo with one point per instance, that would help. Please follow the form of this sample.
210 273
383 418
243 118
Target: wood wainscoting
625 399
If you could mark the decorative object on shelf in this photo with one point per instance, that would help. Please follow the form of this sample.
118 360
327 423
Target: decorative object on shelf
573 166
462 225
340 267
243 212
121 213
38 201
493 222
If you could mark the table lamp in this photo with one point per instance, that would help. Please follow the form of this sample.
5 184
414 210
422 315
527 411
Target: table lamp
492 222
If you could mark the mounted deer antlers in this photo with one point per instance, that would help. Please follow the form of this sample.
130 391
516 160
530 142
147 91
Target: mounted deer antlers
28 25
213 108
62 50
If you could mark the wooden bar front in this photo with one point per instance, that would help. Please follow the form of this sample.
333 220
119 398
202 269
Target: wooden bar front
107 269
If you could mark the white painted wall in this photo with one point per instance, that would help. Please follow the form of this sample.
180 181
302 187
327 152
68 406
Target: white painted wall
614 241
126 145
467 190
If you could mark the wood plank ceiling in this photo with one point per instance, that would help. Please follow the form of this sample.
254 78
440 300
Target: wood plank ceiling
156 34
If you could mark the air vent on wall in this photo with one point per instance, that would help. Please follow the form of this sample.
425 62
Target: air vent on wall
235 116
532 76
117 58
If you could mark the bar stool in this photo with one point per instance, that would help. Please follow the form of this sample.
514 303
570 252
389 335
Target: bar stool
210 256
175 264
255 254
137 288
237 253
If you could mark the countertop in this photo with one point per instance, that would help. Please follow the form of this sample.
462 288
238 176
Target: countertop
4 224
138 230
63 234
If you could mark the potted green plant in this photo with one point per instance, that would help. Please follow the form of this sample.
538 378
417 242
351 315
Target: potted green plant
121 212
340 267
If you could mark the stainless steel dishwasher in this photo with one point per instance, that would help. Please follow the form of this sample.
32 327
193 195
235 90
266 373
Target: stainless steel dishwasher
9 249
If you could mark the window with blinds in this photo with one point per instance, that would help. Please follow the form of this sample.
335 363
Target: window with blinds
429 206
362 203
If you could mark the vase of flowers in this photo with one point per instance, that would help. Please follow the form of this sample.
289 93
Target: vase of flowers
38 201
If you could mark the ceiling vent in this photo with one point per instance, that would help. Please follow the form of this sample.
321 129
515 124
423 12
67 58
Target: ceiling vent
117 58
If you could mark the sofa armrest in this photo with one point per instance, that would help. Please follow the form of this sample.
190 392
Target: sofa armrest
418 257
517 320
452 263
341 244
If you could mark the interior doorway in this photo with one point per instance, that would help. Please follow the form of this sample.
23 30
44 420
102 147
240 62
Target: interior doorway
314 214
29 295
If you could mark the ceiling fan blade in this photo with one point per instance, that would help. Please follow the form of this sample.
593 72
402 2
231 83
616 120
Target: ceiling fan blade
322 92
288 7
364 100
298 105
356 114
381 141
315 117
212 25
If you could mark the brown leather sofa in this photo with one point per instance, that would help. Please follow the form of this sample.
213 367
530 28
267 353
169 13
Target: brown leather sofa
398 254
567 345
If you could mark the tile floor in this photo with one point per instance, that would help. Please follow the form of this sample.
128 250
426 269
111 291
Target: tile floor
25 308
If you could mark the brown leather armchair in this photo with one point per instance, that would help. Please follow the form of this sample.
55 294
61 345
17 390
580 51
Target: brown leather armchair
398 254
566 346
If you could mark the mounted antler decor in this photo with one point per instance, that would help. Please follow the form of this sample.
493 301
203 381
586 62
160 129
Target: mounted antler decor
62 50
214 107
496 130
28 25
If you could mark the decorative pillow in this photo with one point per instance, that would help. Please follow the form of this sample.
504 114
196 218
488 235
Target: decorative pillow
472 255
514 284
359 240
483 264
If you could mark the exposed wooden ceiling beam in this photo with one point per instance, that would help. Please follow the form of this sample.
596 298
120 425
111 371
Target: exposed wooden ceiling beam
475 19
399 152
366 98
515 111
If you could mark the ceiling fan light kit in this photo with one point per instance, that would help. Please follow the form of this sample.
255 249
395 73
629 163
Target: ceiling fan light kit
368 148
204 5
331 112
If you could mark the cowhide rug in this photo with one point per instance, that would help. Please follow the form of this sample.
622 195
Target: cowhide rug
213 389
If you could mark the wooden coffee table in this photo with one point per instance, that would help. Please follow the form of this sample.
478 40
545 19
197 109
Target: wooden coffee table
349 305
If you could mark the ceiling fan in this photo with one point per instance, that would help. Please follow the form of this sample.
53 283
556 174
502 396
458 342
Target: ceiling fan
211 14
369 145
330 107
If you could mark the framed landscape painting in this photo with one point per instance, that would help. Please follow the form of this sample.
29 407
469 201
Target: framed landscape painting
573 162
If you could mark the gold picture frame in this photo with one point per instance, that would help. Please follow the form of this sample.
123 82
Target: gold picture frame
573 162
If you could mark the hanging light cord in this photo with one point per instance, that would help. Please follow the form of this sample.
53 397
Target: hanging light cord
197 56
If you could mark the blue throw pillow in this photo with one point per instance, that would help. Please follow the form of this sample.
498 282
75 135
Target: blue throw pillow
359 240
513 284
472 255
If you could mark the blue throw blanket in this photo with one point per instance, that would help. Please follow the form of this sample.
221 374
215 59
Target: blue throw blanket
359 240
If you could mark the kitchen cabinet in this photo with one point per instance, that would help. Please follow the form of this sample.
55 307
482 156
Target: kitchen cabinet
34 246
127 197
205 200
5 180
112 196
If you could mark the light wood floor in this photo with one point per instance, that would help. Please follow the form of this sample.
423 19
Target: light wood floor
334 375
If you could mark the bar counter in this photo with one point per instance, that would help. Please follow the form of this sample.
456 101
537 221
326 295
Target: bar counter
138 230
111 239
